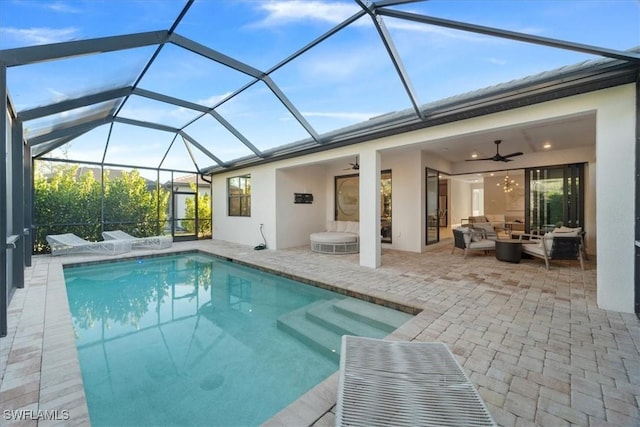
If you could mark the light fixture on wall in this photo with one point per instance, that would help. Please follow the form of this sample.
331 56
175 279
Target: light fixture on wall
508 184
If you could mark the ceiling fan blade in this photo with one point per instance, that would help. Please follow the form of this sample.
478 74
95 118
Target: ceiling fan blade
519 153
484 158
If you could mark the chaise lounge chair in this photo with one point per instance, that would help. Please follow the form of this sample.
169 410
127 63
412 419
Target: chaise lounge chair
397 383
153 242
69 243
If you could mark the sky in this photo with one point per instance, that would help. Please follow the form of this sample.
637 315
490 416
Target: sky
347 79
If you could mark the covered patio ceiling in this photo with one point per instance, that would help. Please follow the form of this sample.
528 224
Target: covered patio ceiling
205 86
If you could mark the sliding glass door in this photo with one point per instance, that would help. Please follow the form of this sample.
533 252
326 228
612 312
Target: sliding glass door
433 217
555 197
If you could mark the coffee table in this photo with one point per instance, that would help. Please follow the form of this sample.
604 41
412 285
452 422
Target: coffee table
509 250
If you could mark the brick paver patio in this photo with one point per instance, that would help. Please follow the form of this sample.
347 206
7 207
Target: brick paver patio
533 341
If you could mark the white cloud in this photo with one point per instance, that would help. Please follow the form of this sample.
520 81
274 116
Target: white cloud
282 12
213 99
434 30
497 61
62 7
41 35
57 95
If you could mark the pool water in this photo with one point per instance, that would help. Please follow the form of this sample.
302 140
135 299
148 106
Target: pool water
195 340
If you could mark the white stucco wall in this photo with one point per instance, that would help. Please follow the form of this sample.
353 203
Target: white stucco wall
615 168
295 222
406 207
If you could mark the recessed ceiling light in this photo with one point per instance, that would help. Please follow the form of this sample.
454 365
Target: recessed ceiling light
491 174
474 155
547 145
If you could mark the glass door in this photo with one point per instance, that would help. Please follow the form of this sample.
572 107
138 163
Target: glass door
185 217
432 187
385 206
555 197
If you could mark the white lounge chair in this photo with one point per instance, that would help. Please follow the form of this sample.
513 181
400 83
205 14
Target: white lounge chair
152 242
384 383
63 244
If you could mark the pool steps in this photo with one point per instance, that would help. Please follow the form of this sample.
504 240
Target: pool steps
321 324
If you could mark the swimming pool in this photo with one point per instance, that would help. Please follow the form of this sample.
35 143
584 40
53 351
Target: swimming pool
192 339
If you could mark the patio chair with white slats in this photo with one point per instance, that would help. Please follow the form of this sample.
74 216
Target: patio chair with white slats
69 243
151 242
385 383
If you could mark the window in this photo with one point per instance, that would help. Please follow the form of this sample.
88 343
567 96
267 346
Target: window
239 191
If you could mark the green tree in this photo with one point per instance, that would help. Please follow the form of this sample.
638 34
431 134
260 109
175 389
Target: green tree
204 214
64 203
129 205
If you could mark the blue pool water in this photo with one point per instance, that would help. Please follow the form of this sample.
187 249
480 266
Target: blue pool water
195 340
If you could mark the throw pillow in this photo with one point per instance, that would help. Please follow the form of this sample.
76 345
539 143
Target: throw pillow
353 227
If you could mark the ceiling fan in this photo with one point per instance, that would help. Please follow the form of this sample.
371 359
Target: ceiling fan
354 166
498 157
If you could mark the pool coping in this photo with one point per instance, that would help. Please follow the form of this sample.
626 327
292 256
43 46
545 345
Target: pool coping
306 410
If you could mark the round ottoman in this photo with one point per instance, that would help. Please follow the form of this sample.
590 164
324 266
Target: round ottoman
334 242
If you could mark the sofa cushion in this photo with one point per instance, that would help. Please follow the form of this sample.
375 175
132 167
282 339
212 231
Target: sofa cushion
534 249
332 225
482 244
353 227
341 226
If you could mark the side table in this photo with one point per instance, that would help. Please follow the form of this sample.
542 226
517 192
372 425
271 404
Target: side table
509 250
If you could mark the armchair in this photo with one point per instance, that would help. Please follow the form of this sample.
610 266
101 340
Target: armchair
559 246
469 239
